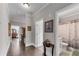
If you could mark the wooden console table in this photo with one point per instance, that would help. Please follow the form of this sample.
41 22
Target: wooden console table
48 44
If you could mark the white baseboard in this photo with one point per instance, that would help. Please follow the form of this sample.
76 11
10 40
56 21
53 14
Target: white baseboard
33 45
38 46
8 46
26 45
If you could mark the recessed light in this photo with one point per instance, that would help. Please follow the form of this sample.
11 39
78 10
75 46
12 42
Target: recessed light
25 5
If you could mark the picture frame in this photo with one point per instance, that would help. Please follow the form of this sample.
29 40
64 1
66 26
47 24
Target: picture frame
48 26
9 29
29 28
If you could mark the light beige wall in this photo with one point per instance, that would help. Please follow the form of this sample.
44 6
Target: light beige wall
4 38
46 14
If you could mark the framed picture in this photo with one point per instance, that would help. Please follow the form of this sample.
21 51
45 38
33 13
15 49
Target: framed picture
29 28
9 29
49 26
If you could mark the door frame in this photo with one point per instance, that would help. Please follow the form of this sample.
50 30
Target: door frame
35 31
59 14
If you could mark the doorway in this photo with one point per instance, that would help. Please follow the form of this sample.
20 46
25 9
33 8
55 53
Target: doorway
67 33
15 31
39 33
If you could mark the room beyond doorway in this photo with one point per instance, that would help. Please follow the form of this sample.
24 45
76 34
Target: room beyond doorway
15 31
18 32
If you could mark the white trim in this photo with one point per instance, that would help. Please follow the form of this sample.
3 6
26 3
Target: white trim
41 9
69 8
36 46
27 45
30 44
8 46
7 49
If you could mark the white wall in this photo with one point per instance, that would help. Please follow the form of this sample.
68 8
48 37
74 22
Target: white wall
4 38
46 14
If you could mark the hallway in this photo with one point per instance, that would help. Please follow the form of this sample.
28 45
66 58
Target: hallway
15 14
17 49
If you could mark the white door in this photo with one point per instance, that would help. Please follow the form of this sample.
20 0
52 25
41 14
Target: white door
39 33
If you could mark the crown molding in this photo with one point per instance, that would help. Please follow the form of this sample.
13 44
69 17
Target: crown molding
40 9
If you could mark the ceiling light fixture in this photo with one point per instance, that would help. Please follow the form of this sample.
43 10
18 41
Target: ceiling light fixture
25 5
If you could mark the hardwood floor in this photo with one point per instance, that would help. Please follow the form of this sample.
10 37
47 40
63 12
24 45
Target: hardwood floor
18 49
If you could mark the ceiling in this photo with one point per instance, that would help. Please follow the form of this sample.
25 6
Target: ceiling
17 9
70 14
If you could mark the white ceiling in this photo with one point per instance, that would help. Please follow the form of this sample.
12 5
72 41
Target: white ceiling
17 9
71 13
